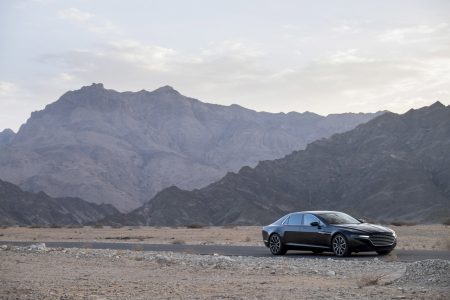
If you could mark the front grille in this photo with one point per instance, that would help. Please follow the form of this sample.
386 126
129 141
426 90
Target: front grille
382 239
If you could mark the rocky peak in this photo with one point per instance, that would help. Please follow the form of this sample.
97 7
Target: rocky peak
167 89
6 136
93 86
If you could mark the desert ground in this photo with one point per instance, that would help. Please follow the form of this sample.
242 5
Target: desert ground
39 272
417 237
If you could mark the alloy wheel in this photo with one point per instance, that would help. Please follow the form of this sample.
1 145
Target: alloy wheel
340 245
275 244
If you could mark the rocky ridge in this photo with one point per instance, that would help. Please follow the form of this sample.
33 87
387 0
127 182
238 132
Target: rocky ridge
121 148
24 208
392 167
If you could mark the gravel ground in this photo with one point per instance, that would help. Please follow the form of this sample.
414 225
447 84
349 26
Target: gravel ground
38 272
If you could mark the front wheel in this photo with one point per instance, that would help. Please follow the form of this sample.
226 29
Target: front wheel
340 245
275 245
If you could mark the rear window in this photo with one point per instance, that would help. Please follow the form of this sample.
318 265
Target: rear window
295 219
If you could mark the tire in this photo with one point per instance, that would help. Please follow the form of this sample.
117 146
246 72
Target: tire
384 252
340 246
276 246
317 251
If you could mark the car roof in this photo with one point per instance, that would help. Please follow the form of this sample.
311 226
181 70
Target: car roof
317 212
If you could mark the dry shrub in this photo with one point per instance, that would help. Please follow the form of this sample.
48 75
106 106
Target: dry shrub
116 226
369 280
443 244
35 226
97 226
391 257
195 226
247 239
178 242
403 223
229 226
138 248
446 222
4 227
55 226
73 226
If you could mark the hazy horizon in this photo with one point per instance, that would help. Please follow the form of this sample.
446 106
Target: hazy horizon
325 57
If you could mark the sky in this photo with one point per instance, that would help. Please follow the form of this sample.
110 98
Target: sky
277 56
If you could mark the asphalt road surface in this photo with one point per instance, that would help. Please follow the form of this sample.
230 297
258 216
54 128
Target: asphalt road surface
257 251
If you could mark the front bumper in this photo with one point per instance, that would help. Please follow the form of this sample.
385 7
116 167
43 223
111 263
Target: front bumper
361 243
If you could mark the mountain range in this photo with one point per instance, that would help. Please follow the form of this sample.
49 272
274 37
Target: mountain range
121 148
394 167
24 208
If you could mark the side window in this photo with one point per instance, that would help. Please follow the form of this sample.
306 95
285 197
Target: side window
295 219
310 218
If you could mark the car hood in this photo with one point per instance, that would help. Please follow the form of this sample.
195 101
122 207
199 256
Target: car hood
365 227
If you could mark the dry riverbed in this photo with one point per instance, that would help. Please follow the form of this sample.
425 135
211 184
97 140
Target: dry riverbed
418 237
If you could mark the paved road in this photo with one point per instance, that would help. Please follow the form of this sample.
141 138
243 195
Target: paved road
257 251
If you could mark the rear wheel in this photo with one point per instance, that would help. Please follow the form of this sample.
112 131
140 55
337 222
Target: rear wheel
340 245
384 252
275 245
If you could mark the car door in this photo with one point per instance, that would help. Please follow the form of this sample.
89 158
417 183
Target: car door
314 235
292 226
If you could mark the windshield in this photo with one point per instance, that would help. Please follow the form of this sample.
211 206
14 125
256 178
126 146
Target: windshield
338 218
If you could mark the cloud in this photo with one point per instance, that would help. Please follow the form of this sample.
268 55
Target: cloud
415 34
348 56
348 79
8 89
89 21
346 27
74 14
147 56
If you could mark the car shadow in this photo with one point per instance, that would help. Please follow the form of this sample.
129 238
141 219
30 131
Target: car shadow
326 255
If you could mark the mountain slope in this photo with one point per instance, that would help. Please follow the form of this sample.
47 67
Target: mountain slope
393 167
121 148
23 208
6 137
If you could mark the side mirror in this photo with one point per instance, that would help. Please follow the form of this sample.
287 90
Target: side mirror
315 224
362 220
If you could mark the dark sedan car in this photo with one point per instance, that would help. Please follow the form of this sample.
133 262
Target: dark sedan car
321 231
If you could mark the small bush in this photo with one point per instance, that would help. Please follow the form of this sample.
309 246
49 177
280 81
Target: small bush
74 226
247 239
4 227
446 222
35 226
368 280
229 226
97 226
195 226
55 226
403 223
138 248
178 242
391 257
116 226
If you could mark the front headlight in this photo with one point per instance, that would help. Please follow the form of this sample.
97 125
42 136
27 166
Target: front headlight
363 236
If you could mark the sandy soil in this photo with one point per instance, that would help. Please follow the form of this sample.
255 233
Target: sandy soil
110 274
429 237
